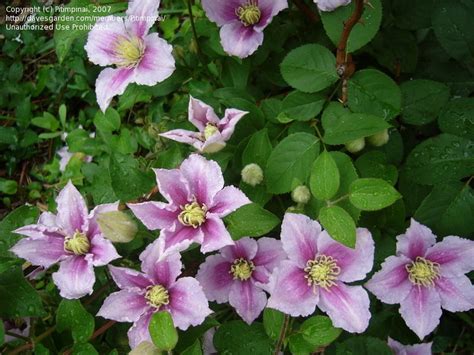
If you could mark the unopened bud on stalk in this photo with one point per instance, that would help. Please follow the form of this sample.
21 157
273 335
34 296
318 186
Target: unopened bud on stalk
301 195
379 139
252 174
145 348
355 146
117 226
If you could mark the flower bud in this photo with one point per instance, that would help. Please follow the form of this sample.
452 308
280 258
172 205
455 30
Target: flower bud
145 348
379 139
301 195
117 226
252 174
355 146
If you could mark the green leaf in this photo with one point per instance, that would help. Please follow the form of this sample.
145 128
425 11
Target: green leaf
2 333
250 221
374 164
84 349
341 126
314 333
273 321
48 121
440 159
163 332
452 24
412 15
258 149
71 315
288 164
339 224
108 121
17 297
8 135
371 194
20 217
127 180
423 100
363 346
362 33
458 118
194 349
300 106
373 92
310 68
62 112
230 336
445 209
8 187
324 181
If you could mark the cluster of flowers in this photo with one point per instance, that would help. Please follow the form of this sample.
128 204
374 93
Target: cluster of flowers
303 270
146 59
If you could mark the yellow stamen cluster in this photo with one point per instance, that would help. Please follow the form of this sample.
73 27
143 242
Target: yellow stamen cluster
322 271
210 130
157 296
78 244
242 269
422 272
129 52
193 214
249 13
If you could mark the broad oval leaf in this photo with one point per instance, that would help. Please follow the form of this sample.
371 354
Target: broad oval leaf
371 194
339 224
324 181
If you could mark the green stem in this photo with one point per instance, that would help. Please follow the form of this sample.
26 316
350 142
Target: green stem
193 26
335 202
281 338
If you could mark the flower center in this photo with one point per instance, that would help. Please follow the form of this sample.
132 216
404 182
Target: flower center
129 52
422 272
249 13
322 271
78 244
157 296
210 130
242 269
193 214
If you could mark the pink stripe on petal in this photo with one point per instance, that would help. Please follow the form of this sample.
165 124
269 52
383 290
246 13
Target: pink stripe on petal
72 210
391 284
200 114
157 63
421 310
139 333
417 349
239 40
416 240
44 251
188 304
165 271
75 277
102 40
269 9
290 292
230 120
454 254
182 136
180 237
129 279
154 215
215 234
124 306
247 299
270 253
102 250
457 293
215 277
110 83
228 200
173 186
141 15
347 306
298 236
245 248
221 11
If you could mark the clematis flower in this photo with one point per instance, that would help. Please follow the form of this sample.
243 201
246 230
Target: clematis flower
213 132
426 276
317 272
331 5
236 274
139 57
197 202
417 349
157 288
71 238
242 22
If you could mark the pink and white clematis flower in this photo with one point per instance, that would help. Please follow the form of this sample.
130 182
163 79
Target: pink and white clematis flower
157 288
236 274
213 132
197 202
426 276
71 238
242 22
417 349
317 272
139 57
